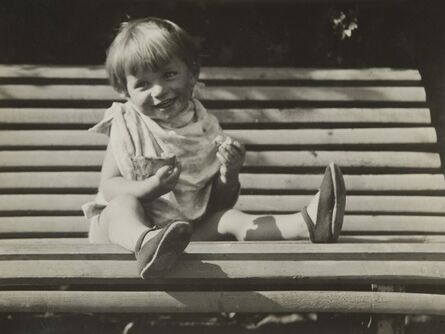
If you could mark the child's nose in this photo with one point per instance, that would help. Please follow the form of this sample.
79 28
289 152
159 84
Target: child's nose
158 90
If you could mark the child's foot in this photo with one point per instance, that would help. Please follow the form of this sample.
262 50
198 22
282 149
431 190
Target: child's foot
324 215
157 250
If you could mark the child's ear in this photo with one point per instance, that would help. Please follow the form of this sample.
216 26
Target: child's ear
193 79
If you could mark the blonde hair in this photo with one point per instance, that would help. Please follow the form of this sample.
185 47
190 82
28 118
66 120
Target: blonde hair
148 44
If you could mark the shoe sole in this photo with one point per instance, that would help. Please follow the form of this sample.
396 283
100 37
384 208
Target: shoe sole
172 244
339 200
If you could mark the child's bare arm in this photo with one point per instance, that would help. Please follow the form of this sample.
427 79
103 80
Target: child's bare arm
113 184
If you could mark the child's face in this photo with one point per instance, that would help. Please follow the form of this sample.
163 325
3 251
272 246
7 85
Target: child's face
164 94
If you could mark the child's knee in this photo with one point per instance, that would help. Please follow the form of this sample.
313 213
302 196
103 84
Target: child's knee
126 201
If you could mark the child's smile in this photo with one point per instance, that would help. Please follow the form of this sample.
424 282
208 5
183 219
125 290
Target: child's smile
164 94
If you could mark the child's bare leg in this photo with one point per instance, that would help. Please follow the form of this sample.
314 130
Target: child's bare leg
246 227
125 220
321 221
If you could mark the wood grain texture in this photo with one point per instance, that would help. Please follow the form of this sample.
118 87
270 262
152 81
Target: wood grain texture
255 203
80 138
89 116
232 249
308 159
353 225
222 73
224 93
89 181
221 271
222 301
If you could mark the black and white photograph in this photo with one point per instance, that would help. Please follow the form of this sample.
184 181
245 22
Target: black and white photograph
222 166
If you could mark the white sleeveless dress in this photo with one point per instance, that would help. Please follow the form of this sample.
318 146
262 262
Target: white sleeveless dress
133 134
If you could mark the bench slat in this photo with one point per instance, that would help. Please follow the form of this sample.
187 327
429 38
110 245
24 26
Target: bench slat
223 93
222 73
235 251
76 158
405 204
221 301
22 181
366 239
257 203
89 116
353 224
186 272
75 138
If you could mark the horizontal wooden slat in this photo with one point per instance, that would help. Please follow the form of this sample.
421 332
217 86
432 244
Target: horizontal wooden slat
324 115
186 272
43 224
67 240
219 301
60 116
46 180
221 73
238 250
270 203
76 138
344 159
405 204
77 158
354 239
21 181
353 224
88 116
335 136
42 71
389 182
222 93
51 158
368 74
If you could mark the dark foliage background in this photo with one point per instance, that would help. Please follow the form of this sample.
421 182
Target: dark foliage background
243 33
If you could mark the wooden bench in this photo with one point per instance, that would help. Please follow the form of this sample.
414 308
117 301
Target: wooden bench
373 122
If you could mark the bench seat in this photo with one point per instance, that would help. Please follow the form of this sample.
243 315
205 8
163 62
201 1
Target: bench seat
375 123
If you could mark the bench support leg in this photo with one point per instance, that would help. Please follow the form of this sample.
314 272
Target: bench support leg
389 323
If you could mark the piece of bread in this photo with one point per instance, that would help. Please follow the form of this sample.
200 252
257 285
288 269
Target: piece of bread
145 167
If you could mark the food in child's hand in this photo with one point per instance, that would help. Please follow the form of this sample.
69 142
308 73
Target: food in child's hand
223 141
145 167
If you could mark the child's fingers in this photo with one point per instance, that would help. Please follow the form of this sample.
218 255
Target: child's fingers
175 174
164 171
221 158
239 147
222 173
227 152
219 140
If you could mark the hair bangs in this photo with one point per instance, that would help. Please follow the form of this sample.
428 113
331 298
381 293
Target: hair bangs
152 51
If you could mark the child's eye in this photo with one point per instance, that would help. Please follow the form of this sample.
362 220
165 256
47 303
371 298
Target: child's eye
170 74
143 84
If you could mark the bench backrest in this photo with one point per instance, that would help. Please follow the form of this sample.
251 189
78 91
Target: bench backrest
373 122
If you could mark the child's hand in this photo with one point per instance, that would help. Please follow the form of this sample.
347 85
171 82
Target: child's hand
167 177
231 154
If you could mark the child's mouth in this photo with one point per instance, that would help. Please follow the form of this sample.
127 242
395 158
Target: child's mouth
165 104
